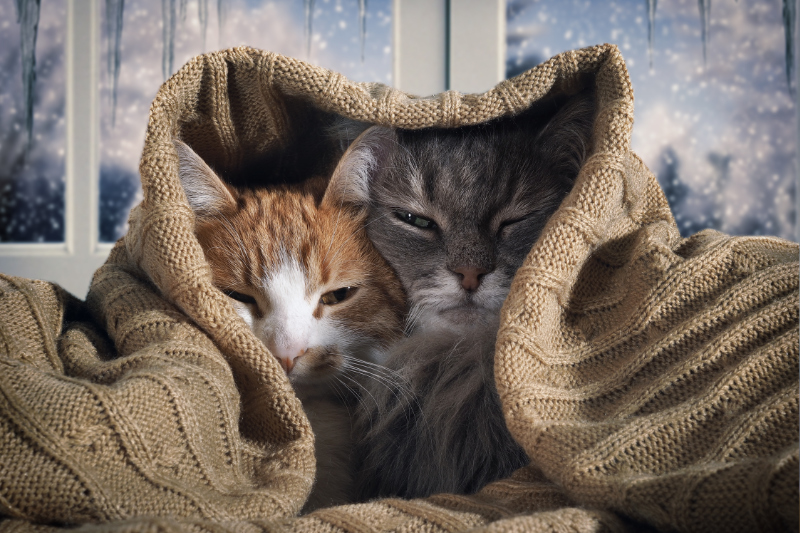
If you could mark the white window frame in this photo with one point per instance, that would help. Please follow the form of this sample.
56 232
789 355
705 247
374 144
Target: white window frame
444 45
72 263
438 45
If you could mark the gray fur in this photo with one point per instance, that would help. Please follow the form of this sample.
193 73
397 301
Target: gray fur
490 189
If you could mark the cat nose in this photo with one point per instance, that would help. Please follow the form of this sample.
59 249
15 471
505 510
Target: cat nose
470 276
286 356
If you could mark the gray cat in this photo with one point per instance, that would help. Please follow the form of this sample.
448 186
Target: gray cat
454 212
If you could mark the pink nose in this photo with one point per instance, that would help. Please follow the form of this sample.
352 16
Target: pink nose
286 356
470 276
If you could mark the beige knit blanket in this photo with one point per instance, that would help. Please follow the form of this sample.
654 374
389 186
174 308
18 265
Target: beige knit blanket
653 380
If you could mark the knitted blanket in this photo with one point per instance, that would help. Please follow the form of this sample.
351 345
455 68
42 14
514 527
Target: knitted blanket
652 380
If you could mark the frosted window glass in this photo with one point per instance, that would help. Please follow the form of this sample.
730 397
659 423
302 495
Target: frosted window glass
279 26
32 174
720 134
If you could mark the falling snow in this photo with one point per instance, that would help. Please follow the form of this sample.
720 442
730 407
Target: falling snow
32 153
350 36
720 133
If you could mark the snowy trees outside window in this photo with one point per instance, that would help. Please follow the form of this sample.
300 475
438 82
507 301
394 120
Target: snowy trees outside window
714 115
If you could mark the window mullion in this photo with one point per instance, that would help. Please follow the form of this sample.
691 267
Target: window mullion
477 44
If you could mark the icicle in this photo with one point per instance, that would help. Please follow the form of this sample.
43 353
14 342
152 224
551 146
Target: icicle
362 25
789 18
705 18
651 27
202 15
222 15
168 17
114 9
308 9
182 11
28 19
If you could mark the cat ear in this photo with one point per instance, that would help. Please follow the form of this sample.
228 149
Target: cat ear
362 160
205 191
566 138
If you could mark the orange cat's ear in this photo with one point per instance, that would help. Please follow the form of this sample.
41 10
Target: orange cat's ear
351 180
205 191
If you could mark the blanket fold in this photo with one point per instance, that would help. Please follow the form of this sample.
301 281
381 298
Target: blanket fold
652 379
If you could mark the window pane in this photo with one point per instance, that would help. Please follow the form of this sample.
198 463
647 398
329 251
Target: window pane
32 173
278 26
719 133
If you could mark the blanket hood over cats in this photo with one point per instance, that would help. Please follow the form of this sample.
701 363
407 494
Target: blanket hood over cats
652 380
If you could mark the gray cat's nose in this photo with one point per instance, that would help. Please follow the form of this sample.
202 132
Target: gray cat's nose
470 277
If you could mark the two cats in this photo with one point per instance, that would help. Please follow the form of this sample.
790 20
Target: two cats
300 271
454 213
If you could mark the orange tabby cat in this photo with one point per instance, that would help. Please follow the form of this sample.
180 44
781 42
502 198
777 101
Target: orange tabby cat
301 272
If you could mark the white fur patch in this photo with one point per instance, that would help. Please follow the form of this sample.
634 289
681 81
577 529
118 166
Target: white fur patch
288 324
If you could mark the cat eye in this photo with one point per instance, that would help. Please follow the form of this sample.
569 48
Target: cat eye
416 220
239 297
506 223
337 296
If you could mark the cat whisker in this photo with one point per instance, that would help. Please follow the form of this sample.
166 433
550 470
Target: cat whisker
376 367
391 386
359 397
415 314
392 380
400 390
376 219
344 396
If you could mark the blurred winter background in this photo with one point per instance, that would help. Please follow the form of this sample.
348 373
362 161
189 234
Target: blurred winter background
715 117
32 160
196 25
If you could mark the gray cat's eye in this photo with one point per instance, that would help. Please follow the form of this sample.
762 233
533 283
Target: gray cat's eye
511 222
337 296
239 297
415 220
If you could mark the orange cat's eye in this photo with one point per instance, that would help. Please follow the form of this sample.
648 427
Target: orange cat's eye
337 296
239 297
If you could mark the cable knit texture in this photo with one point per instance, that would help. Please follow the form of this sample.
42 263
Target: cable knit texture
653 380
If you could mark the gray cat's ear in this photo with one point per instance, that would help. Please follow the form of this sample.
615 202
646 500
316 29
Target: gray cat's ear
567 137
350 182
205 191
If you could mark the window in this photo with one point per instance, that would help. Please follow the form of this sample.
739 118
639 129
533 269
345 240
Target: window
135 68
729 118
715 117
32 135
